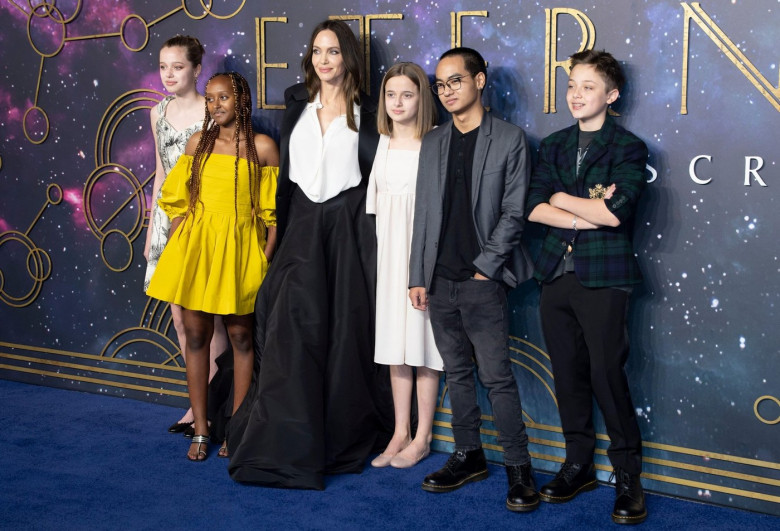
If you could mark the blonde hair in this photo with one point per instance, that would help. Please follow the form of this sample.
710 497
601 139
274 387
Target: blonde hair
426 112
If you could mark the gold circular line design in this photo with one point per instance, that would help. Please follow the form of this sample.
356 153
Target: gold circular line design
30 296
34 8
119 109
48 12
206 10
530 357
106 128
51 8
171 354
123 26
539 377
48 194
146 314
97 173
24 125
116 123
525 342
40 273
221 17
75 13
103 240
758 415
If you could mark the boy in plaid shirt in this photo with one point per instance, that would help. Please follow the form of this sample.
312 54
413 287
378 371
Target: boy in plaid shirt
585 189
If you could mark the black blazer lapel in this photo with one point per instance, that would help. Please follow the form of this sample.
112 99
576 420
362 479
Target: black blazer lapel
296 98
597 149
444 159
480 157
567 161
368 137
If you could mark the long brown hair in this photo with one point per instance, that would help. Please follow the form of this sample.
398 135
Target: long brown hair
209 135
353 65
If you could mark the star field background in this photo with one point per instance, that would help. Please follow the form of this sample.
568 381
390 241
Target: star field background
704 326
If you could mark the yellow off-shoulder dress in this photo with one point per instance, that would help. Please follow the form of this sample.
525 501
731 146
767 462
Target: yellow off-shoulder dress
214 262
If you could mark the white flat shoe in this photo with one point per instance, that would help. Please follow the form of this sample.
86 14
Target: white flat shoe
381 461
398 461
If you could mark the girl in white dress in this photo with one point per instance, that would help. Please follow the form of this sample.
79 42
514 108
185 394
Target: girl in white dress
404 339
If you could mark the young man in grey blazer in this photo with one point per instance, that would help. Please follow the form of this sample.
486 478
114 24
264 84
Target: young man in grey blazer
466 253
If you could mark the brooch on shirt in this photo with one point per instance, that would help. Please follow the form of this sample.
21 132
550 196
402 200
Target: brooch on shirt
598 192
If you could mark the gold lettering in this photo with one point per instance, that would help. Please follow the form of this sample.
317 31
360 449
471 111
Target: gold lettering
365 37
551 62
728 48
456 25
262 65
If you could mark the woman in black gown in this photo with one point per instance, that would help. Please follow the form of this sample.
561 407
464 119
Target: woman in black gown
311 408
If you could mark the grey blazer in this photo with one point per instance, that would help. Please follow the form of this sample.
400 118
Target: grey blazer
500 178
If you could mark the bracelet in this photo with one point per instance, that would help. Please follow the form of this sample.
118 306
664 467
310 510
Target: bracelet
574 223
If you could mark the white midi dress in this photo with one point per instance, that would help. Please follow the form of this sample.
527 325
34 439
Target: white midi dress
403 334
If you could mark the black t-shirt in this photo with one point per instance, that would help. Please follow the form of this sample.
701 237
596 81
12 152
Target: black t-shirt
458 245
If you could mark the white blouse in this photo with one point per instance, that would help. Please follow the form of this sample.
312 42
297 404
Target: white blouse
324 165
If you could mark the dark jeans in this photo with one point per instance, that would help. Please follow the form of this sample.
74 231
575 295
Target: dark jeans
470 317
585 332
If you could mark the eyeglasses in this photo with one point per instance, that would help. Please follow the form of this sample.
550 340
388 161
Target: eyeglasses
452 84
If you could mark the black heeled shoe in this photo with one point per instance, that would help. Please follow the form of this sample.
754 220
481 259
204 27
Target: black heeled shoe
179 427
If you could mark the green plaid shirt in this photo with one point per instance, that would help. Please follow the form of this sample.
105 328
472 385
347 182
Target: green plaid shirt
603 257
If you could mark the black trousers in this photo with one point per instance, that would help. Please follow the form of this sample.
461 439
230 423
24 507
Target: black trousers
470 318
585 332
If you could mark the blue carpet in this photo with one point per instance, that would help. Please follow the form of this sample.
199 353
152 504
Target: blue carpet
82 461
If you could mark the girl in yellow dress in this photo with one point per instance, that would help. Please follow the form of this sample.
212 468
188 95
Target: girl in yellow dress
220 198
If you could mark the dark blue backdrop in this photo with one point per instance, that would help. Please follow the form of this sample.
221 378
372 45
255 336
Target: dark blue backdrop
78 79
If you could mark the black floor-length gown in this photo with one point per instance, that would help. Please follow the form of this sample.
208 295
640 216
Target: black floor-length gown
317 403
310 410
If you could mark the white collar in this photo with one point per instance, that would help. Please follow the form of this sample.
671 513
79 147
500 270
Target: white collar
317 104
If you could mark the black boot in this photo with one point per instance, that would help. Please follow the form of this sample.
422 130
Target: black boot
522 496
461 468
570 480
629 498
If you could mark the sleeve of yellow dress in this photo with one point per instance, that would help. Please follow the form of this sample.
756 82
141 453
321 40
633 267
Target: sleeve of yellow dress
174 195
267 195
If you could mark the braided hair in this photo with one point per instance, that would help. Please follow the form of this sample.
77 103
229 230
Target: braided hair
208 137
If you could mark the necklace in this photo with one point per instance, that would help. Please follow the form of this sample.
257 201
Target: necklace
581 156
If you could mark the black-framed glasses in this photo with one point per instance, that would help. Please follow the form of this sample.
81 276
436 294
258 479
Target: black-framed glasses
452 84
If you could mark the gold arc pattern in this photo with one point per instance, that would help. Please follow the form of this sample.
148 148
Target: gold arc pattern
37 260
49 10
117 111
769 399
670 463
